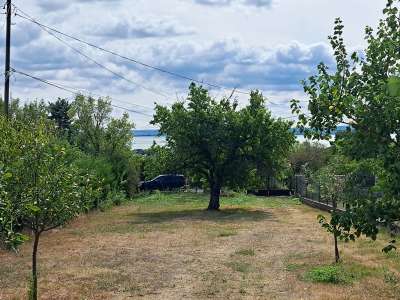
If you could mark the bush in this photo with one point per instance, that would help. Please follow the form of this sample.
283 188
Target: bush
340 273
328 274
106 204
100 180
126 169
116 197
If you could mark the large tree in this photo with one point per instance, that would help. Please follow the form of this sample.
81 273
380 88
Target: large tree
90 118
222 143
100 135
58 112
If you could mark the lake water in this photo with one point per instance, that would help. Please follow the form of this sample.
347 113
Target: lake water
145 142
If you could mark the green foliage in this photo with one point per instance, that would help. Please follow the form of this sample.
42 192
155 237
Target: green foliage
13 107
306 158
126 167
99 178
117 198
45 181
9 236
327 274
38 178
58 112
159 160
107 141
90 118
338 273
348 182
220 143
364 94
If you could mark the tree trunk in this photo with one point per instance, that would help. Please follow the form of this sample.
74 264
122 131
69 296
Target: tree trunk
215 191
34 287
337 256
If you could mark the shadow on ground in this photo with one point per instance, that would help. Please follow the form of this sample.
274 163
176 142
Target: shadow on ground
233 214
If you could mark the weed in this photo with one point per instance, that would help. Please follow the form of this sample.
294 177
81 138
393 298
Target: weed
294 267
240 266
246 252
226 233
328 274
390 277
338 273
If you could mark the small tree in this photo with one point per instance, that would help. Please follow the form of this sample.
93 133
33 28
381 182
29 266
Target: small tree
41 184
362 92
222 143
331 187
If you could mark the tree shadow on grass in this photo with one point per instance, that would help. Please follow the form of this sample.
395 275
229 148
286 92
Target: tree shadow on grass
226 215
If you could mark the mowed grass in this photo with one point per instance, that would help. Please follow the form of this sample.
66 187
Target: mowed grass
167 246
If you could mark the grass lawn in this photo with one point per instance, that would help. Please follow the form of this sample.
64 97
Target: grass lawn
166 246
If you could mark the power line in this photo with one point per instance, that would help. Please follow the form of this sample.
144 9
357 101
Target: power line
7 61
31 19
109 70
101 65
80 90
70 90
76 91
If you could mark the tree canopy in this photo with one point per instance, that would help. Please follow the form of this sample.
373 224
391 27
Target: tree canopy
222 142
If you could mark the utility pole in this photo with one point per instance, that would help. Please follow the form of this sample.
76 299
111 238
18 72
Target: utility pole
7 72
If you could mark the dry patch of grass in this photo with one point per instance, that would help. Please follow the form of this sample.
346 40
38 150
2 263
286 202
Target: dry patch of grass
166 246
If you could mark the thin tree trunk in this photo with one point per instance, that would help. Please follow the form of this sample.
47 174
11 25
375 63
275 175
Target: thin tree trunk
215 192
34 287
337 256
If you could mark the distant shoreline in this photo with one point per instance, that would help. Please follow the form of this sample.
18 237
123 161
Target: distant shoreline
156 132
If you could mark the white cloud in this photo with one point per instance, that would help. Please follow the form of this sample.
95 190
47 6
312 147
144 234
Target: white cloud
256 3
232 43
151 26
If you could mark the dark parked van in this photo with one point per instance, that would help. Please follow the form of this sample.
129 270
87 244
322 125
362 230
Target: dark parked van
163 182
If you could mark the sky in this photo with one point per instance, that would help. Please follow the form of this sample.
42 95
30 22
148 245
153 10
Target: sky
269 45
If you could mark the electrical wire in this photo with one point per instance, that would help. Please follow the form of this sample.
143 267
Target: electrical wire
71 90
101 65
31 19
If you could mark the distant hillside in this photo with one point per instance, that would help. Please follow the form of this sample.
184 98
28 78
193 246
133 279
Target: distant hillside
155 132
146 132
297 131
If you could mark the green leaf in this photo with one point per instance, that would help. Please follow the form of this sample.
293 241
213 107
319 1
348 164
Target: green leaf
32 207
393 86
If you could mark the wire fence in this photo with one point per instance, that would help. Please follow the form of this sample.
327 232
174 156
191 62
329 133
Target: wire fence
312 190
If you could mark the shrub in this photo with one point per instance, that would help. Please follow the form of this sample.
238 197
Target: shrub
116 197
328 274
101 178
339 273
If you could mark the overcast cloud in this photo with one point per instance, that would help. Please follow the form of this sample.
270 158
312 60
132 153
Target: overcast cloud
246 44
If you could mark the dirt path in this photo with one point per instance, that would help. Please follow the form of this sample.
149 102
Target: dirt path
183 252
